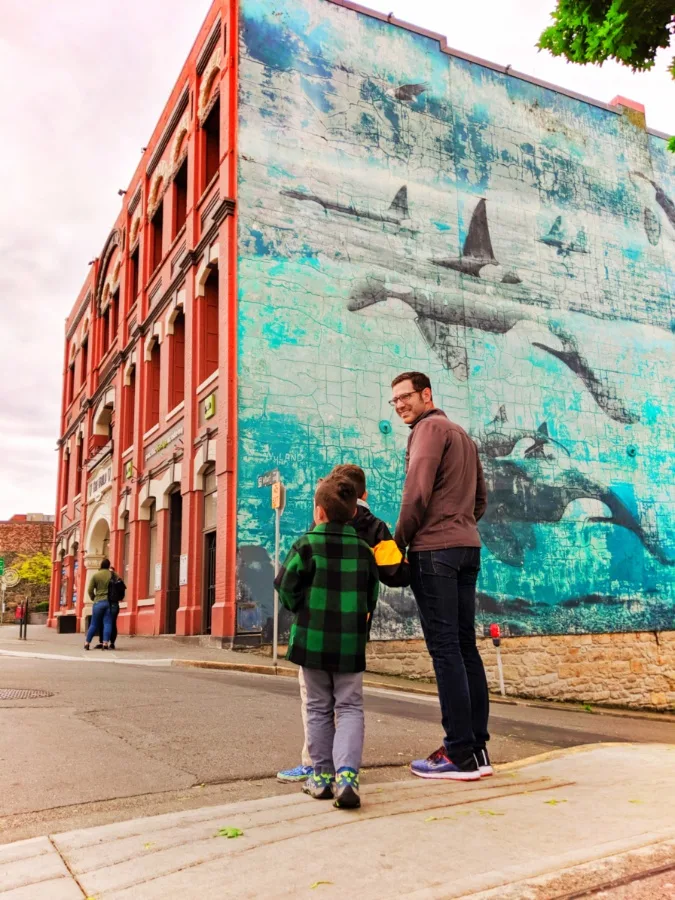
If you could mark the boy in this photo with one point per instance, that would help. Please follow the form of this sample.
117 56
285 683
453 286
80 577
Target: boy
393 571
330 582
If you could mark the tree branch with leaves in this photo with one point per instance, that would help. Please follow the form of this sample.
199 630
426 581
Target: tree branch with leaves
626 31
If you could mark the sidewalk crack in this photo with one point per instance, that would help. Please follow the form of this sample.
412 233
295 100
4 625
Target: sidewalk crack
67 865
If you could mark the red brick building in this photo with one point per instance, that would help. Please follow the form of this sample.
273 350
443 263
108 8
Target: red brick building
147 428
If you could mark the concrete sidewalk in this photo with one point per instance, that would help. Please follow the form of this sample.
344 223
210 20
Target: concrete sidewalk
546 828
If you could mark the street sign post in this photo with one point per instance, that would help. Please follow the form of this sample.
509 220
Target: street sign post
278 503
2 566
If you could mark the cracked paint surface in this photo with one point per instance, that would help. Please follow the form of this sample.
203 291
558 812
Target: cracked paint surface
403 209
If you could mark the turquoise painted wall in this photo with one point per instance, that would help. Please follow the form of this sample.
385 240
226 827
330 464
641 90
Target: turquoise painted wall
403 209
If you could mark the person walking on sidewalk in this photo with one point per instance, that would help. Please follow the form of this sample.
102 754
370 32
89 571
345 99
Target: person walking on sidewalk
330 581
392 569
100 614
443 497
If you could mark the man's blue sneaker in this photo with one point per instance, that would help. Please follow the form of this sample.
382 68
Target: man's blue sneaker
293 776
319 785
347 789
440 766
484 764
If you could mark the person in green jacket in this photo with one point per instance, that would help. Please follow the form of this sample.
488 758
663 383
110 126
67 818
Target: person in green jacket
330 581
100 614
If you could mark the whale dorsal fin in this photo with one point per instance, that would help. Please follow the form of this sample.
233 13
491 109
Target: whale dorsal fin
478 243
399 205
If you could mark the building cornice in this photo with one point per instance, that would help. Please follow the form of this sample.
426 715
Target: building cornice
209 46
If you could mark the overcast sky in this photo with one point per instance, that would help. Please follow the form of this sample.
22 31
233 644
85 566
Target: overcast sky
81 88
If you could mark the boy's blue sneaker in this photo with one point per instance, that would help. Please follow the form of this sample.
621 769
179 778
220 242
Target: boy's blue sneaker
440 766
319 785
293 776
347 789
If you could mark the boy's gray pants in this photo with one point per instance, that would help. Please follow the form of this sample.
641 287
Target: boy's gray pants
335 725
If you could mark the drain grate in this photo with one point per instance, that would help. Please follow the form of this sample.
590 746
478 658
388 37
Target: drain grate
22 694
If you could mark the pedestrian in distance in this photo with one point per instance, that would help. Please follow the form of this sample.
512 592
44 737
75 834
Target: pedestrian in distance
101 621
444 496
392 569
330 582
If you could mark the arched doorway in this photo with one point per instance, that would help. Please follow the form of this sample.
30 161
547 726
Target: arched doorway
96 550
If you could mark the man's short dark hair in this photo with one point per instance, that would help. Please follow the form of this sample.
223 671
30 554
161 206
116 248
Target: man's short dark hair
105 563
420 381
352 473
337 498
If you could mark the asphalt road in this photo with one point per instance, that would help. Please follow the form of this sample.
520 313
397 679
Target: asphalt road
113 742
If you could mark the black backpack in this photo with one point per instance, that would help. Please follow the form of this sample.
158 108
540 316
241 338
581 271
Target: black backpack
116 590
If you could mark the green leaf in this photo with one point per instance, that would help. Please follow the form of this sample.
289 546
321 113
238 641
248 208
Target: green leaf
149 845
587 707
554 802
317 883
671 142
489 812
229 832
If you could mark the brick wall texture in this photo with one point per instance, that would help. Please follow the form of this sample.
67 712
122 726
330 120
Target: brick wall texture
634 670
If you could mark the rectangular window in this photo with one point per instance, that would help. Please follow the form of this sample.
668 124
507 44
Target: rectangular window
211 144
126 550
209 341
79 474
70 384
66 479
84 353
129 406
153 376
105 331
152 550
134 275
177 369
156 237
114 315
180 184
210 499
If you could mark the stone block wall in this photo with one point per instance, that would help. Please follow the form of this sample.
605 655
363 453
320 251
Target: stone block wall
634 670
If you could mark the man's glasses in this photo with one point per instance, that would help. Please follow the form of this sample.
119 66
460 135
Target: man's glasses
402 398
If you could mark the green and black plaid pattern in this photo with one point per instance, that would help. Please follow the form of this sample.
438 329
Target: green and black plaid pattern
330 581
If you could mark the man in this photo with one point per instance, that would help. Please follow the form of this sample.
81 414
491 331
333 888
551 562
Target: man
443 497
116 591
100 613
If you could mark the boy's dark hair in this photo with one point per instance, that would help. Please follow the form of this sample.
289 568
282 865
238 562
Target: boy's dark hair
105 563
352 473
337 498
419 380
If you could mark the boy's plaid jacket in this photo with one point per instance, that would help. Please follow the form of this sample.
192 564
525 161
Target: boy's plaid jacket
330 581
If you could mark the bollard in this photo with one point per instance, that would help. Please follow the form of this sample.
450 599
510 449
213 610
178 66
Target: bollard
496 636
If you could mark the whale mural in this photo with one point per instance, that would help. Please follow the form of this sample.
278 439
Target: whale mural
400 208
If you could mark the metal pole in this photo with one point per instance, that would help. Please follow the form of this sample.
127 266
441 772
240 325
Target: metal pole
501 672
277 538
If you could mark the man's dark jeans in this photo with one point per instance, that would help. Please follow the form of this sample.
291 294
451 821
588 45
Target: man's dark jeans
114 613
444 585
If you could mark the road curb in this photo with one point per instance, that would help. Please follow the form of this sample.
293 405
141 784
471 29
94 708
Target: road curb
251 668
